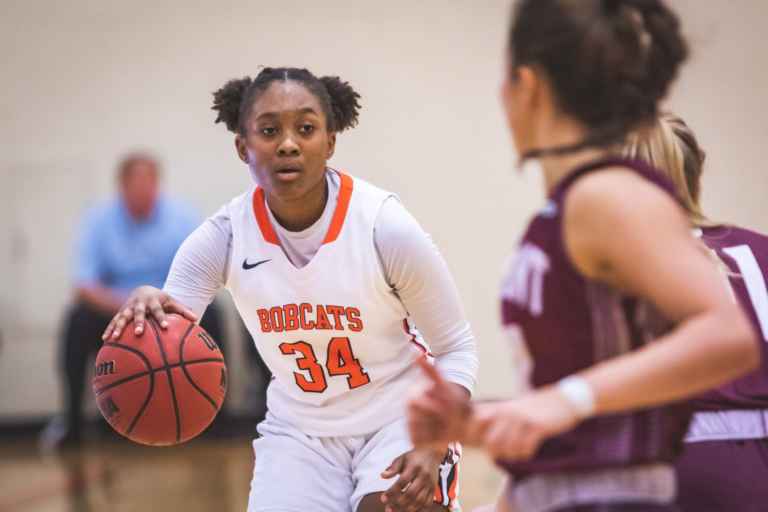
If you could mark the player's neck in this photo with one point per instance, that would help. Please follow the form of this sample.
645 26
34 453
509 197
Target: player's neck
562 131
555 168
301 213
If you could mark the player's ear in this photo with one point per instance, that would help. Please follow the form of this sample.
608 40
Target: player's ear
331 145
242 150
528 85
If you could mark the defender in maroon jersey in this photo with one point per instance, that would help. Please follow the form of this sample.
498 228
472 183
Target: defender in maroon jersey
621 312
555 301
745 254
725 463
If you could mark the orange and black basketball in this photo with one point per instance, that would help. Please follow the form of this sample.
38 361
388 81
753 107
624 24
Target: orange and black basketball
163 387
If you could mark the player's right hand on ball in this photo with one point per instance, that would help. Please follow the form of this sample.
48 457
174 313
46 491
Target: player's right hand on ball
143 301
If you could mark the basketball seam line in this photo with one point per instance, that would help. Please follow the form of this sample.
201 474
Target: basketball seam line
186 373
135 376
151 384
152 322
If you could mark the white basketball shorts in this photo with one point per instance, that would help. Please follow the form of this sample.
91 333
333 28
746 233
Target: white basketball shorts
294 472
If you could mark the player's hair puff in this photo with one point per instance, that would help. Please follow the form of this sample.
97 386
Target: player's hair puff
227 101
337 98
343 102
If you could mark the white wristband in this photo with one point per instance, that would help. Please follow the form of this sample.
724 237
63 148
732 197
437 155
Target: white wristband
579 394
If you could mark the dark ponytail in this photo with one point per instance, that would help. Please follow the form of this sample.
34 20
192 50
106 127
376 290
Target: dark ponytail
339 101
610 62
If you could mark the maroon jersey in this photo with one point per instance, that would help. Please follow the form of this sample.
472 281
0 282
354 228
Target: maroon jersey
745 253
569 323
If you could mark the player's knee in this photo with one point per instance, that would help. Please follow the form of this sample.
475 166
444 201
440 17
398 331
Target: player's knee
371 503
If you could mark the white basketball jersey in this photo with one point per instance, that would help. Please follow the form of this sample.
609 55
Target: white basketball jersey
334 334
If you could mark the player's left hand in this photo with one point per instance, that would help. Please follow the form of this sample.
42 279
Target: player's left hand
440 413
414 490
514 429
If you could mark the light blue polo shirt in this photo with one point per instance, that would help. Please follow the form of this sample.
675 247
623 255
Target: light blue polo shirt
118 252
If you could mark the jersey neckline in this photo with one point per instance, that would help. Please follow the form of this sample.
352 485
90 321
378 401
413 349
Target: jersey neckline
346 185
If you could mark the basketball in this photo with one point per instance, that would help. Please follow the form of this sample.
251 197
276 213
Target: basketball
163 387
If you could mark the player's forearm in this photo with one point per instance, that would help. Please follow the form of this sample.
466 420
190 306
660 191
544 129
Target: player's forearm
702 353
460 367
414 267
199 268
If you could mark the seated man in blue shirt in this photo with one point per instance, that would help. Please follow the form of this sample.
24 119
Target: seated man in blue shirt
125 243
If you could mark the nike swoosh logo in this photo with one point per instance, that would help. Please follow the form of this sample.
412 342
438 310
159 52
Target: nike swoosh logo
249 266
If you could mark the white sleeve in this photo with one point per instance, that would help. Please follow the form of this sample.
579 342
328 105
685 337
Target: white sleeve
200 266
417 272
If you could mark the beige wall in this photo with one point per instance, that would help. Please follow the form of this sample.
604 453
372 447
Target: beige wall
723 94
83 81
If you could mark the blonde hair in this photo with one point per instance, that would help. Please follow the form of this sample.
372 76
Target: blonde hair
670 146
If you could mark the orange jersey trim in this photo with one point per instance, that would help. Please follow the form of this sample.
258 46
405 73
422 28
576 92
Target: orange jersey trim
342 205
452 494
337 221
438 497
262 218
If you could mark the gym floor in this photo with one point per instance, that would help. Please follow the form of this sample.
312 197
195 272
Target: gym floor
203 475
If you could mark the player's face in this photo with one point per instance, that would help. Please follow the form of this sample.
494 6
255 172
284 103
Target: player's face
287 142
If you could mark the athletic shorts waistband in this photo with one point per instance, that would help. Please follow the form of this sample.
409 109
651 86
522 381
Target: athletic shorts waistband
728 425
652 483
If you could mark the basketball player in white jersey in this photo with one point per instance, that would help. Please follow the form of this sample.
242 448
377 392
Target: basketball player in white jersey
331 275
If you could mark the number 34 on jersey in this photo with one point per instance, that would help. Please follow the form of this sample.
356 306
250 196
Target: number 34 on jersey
340 361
